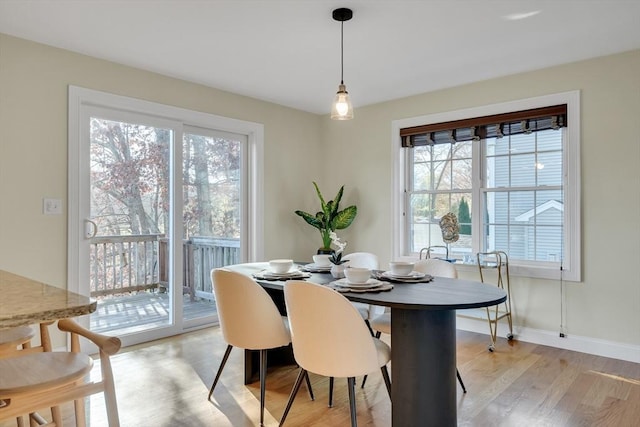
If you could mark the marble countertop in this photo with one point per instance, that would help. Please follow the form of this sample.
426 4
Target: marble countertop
25 301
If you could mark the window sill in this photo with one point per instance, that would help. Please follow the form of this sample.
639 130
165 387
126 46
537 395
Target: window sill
515 270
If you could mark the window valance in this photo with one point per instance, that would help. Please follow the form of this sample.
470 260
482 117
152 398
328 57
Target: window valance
494 126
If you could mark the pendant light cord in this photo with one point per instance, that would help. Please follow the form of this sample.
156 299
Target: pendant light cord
341 52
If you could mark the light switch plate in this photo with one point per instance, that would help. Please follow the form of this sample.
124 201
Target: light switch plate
52 206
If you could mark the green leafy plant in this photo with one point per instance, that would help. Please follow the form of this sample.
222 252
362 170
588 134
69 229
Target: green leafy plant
336 258
330 218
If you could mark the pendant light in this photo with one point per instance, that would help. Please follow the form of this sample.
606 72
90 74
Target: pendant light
342 108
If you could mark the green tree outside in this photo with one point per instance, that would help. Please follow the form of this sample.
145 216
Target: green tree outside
464 217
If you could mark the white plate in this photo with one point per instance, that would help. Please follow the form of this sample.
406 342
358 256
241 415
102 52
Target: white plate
315 267
412 275
380 288
294 274
369 284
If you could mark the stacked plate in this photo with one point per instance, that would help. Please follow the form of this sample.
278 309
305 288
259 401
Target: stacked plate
371 285
270 275
413 277
315 268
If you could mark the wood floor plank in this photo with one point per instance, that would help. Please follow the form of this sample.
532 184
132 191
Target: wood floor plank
165 384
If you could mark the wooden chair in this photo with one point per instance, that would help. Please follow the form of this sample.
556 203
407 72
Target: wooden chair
434 267
13 339
37 380
19 339
335 345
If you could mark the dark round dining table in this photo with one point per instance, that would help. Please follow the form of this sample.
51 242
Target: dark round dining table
423 340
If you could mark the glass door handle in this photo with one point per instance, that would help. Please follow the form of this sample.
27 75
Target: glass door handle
90 229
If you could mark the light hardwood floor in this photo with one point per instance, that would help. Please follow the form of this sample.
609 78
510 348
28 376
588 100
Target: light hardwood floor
165 383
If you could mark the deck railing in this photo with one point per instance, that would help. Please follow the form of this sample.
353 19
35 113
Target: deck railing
122 264
200 256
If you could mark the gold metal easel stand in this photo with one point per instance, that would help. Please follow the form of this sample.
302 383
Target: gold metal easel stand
502 310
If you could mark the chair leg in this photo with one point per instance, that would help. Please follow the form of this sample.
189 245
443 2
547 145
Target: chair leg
294 391
373 334
111 403
80 413
224 360
387 380
36 420
330 392
464 389
377 335
263 380
351 381
306 377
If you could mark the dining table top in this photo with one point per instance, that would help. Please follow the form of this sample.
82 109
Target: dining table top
25 301
440 293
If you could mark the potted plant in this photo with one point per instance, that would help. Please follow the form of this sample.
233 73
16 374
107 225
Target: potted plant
337 269
330 218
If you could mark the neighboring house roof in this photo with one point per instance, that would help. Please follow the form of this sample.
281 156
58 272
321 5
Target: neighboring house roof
551 204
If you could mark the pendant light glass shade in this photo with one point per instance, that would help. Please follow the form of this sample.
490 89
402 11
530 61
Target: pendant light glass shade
342 108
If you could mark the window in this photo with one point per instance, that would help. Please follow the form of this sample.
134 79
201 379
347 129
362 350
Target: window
510 173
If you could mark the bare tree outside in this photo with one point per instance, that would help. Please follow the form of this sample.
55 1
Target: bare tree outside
129 175
130 203
211 186
441 180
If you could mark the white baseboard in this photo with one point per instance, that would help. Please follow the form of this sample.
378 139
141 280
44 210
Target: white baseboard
612 349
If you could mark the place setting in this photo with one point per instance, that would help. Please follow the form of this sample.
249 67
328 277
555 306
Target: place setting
402 272
320 264
359 280
281 269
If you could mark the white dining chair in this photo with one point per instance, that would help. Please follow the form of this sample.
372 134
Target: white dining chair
335 345
367 311
250 320
435 267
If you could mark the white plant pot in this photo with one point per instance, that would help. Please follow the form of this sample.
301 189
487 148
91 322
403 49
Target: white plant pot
337 271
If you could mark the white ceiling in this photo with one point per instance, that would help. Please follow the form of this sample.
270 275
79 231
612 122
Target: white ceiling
288 52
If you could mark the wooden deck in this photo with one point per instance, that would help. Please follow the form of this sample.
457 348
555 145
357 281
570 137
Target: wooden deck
143 310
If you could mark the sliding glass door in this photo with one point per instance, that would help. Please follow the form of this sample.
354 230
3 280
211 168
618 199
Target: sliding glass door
213 162
160 203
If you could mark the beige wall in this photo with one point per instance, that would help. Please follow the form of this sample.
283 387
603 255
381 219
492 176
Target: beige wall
33 148
606 305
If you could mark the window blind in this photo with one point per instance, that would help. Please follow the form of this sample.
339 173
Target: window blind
494 126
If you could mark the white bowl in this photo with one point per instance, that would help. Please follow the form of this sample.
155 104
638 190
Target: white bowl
322 260
280 266
401 268
357 275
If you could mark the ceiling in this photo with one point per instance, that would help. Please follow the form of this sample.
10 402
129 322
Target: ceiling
288 52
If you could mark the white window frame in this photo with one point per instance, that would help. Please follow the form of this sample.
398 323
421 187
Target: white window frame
572 242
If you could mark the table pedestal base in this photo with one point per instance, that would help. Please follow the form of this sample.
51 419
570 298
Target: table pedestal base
282 356
423 374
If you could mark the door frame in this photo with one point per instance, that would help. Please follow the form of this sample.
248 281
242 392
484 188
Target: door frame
252 243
